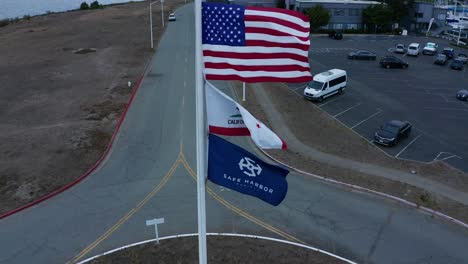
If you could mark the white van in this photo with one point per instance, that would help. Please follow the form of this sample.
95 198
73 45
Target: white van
326 84
413 49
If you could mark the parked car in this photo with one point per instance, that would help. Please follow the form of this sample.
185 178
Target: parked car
413 49
392 132
430 48
335 34
400 48
449 52
462 95
393 62
172 17
457 64
463 57
440 59
362 55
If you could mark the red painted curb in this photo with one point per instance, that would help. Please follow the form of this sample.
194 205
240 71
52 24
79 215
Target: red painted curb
87 173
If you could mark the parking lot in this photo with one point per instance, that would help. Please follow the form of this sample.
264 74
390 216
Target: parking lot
423 94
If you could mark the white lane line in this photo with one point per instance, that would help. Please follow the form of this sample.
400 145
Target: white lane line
449 157
378 112
446 158
412 141
347 110
183 100
331 101
185 83
445 108
186 59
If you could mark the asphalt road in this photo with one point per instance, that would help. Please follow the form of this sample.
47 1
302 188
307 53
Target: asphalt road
423 94
149 174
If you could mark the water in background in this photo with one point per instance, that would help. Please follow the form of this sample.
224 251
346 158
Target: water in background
20 8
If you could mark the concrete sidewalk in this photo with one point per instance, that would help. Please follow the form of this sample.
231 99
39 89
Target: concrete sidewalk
280 126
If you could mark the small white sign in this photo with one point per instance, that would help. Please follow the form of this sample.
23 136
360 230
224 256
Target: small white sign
155 222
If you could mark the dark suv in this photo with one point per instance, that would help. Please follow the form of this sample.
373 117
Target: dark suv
392 132
335 34
449 52
393 62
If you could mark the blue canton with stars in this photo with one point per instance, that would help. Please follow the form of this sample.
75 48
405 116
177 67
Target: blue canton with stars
223 24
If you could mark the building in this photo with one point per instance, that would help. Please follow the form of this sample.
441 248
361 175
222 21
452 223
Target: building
422 12
345 14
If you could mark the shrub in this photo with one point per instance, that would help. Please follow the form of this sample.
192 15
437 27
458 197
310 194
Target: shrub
84 6
26 17
4 22
95 5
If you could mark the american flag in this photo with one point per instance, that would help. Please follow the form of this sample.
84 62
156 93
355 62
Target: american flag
255 44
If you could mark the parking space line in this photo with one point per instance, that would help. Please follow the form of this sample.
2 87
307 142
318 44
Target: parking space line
445 108
446 158
412 141
378 112
449 157
333 100
347 110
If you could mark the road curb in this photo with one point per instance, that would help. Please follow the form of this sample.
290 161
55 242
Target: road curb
362 189
96 165
218 234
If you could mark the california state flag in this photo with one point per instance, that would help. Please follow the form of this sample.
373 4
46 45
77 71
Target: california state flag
227 117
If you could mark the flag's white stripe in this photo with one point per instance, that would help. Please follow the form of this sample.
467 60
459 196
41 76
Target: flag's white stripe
254 49
250 74
282 16
278 27
282 39
254 62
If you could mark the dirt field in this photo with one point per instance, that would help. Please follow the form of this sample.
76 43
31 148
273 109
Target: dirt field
332 137
227 250
64 85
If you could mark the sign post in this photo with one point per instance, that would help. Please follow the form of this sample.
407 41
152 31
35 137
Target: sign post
155 222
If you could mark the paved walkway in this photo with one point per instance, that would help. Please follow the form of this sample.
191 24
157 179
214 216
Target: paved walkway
280 126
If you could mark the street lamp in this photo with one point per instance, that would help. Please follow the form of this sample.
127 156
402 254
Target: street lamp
151 17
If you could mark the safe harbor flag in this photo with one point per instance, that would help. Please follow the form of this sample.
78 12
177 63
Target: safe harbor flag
239 170
255 44
227 117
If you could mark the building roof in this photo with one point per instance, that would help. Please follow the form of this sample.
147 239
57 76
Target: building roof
361 2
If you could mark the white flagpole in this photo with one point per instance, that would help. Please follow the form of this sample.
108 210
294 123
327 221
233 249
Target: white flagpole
201 136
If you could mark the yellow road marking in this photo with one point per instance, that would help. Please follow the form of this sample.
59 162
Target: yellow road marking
130 213
237 210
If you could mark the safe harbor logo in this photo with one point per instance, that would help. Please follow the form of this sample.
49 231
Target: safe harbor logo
251 169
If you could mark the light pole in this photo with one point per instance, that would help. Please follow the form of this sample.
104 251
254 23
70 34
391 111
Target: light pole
151 17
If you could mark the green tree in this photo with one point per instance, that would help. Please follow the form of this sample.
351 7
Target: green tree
400 8
377 16
84 6
318 15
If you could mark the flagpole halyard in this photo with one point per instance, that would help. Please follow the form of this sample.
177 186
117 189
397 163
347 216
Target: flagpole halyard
201 136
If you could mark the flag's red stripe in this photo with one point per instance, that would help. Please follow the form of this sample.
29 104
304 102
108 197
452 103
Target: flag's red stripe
263 43
226 131
257 79
247 56
278 21
272 68
269 31
278 10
